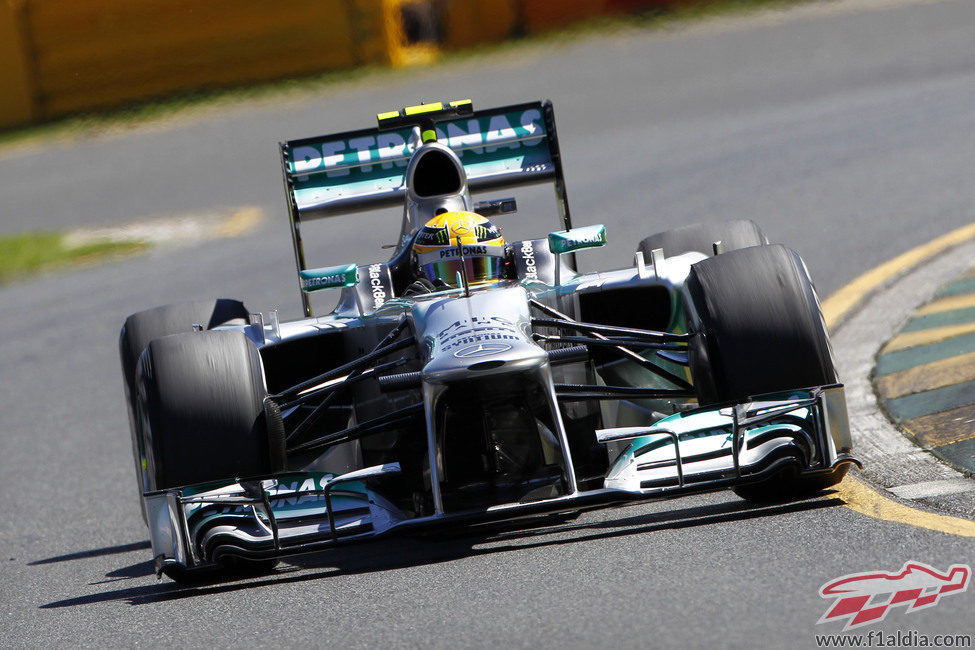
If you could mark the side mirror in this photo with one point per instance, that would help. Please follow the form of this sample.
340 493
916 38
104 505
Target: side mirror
329 277
567 241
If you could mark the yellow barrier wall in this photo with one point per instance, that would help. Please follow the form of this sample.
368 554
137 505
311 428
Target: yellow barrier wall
94 53
17 105
475 22
64 56
542 15
399 49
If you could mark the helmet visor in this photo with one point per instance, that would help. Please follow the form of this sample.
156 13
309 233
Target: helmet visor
479 269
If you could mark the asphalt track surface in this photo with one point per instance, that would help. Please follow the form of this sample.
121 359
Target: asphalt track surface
845 130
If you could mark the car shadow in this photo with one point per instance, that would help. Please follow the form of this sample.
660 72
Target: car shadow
394 553
138 570
95 552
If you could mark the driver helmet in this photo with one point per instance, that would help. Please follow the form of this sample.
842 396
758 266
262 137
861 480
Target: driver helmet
438 256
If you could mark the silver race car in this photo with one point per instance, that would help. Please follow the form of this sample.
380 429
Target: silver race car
468 379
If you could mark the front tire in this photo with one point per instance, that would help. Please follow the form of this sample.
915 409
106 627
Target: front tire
200 405
144 326
760 330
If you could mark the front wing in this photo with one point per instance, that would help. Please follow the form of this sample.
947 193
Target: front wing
697 451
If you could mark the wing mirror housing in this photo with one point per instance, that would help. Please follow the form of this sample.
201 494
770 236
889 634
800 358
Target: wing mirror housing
569 241
328 277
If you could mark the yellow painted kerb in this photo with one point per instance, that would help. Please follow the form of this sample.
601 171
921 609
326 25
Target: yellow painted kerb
840 304
857 494
862 498
927 337
950 303
928 376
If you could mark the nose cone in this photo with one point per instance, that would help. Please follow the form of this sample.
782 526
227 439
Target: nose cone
482 354
484 334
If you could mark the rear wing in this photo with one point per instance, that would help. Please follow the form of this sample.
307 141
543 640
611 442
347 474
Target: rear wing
366 169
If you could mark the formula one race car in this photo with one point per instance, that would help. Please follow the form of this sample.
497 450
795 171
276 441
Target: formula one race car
467 379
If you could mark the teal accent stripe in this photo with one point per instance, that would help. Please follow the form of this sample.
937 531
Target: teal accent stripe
958 288
960 453
941 319
931 401
904 359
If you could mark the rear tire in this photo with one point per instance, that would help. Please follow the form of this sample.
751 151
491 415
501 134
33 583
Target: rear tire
700 237
760 330
200 404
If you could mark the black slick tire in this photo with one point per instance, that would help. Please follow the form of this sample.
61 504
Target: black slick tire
760 327
700 237
760 330
144 326
200 403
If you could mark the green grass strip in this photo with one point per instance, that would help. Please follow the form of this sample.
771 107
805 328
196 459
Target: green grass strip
22 254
